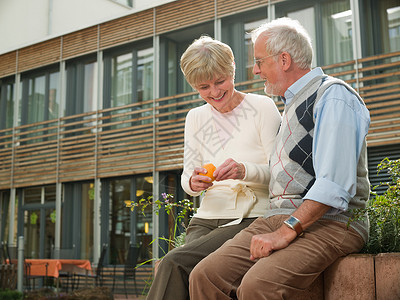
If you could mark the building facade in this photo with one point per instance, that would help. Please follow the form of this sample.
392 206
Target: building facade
94 117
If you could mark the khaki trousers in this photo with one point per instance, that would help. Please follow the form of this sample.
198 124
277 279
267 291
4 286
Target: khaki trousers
228 273
203 237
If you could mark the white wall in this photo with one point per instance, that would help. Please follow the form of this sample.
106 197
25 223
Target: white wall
25 22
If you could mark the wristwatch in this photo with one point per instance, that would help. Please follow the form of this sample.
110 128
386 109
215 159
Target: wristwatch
294 224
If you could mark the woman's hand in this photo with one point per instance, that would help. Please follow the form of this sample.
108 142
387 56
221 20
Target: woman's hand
199 182
230 169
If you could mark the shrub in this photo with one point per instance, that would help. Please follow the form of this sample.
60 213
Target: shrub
10 295
384 212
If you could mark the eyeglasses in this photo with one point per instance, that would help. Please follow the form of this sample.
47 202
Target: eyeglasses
258 61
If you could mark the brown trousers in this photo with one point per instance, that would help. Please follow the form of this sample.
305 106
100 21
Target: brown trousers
203 237
228 273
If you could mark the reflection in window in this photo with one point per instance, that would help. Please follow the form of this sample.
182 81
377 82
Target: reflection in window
90 87
119 219
336 32
32 195
306 17
4 215
40 98
54 96
6 105
393 20
82 86
144 222
36 100
32 233
121 76
87 209
249 52
145 74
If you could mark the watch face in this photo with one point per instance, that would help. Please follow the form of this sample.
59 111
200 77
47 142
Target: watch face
294 224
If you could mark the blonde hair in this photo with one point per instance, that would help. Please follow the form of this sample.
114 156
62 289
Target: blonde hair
206 59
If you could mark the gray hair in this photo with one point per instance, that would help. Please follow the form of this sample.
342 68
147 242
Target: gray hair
285 34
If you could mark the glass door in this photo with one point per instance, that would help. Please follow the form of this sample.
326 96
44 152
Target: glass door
38 210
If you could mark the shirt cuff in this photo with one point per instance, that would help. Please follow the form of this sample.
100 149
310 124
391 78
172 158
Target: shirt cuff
329 193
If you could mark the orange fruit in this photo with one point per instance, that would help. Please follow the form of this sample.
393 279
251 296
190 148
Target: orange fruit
210 170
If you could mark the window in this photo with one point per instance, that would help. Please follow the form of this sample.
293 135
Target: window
6 103
4 215
128 77
124 227
329 25
40 97
383 26
38 211
336 32
236 33
77 220
82 87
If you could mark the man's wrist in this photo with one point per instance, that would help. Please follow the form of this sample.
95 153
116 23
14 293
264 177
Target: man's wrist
294 224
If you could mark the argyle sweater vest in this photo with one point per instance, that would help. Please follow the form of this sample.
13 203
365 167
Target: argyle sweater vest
292 171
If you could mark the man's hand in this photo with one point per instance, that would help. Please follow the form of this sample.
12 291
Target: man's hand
262 245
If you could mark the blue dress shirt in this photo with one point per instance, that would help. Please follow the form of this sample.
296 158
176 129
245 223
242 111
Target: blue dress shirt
341 125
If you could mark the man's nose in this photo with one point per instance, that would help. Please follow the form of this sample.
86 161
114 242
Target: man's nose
256 69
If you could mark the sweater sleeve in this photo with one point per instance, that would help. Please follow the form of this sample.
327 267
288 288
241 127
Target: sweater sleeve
268 126
191 155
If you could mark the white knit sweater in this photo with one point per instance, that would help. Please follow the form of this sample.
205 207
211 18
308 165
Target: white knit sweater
253 126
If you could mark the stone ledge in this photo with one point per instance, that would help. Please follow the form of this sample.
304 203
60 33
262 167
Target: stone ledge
358 276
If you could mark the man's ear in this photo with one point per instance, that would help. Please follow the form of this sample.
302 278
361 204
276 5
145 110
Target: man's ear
286 61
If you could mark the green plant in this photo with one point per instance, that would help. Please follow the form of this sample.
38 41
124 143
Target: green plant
10 295
183 208
384 212
177 210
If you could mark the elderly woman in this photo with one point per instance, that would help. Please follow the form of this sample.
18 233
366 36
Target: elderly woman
235 132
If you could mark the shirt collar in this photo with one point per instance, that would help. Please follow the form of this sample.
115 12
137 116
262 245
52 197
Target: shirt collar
299 84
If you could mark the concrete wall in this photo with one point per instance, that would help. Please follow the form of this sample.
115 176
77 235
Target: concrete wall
24 22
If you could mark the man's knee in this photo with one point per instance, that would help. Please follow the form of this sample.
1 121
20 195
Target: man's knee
248 287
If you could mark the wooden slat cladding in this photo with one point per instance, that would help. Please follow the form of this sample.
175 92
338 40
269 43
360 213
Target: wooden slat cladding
132 139
35 157
8 63
125 140
227 7
183 13
126 29
378 83
80 42
39 55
